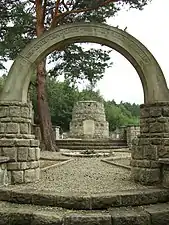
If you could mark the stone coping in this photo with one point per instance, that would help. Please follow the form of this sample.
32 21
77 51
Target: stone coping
154 104
14 103
164 161
59 163
114 163
4 159
157 214
82 201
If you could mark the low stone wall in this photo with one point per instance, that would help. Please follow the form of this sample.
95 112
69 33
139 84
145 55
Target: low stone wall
17 142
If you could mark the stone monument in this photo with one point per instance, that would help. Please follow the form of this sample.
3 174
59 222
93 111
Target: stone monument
89 121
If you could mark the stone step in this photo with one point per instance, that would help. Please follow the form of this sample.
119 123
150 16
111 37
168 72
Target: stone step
92 144
12 214
72 147
61 141
78 201
87 144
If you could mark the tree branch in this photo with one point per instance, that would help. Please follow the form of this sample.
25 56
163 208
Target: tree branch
57 7
77 11
63 3
44 9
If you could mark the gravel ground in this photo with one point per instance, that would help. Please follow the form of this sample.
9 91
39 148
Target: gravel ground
85 175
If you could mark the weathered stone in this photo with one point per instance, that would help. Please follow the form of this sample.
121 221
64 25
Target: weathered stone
144 141
31 175
5 218
165 178
144 128
145 175
162 120
155 111
42 218
32 154
12 128
22 142
165 141
18 166
154 164
23 153
3 175
24 129
20 218
4 112
138 152
13 166
159 214
163 151
37 150
2 127
34 143
145 112
127 216
25 112
9 177
10 152
165 111
34 164
151 120
93 219
14 111
140 163
156 141
157 127
150 152
5 195
7 142
20 120
17 177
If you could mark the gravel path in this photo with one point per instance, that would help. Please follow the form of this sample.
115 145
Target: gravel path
85 175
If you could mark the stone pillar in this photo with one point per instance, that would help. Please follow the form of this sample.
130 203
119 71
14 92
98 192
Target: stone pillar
132 132
151 144
18 144
57 132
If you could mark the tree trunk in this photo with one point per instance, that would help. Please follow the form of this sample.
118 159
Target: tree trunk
47 133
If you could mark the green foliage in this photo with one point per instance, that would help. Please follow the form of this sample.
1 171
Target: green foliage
62 97
80 64
118 115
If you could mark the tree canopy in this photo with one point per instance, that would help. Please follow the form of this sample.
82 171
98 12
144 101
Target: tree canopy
18 27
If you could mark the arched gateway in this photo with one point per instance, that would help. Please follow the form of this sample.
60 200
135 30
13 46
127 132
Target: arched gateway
16 140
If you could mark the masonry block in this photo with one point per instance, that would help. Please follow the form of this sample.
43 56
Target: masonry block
17 177
14 111
31 175
23 153
12 128
10 152
24 128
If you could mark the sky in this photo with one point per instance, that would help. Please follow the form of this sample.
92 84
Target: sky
150 26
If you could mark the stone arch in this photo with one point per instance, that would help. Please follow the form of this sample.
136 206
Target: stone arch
150 73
